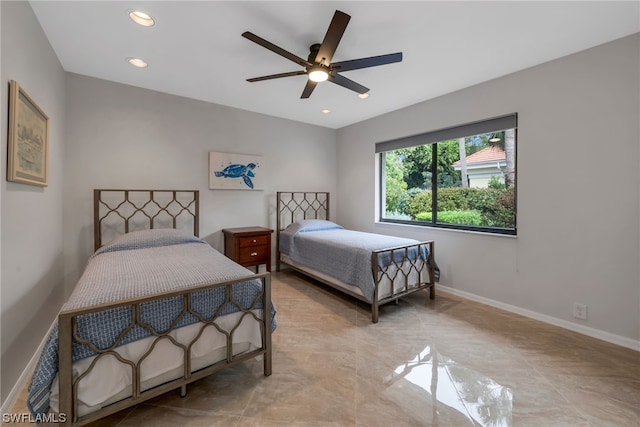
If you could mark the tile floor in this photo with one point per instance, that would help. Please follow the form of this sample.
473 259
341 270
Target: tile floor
446 362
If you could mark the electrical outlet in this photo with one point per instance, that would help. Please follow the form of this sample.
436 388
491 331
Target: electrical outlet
579 311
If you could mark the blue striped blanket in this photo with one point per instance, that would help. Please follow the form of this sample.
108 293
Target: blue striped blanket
140 264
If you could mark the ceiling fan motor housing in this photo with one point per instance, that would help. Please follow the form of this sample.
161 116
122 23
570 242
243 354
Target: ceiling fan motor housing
314 48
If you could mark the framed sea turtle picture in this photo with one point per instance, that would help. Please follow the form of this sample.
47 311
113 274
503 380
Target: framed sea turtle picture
228 171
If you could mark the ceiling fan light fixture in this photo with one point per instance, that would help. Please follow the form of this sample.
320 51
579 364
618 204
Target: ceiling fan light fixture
363 95
141 18
494 139
318 74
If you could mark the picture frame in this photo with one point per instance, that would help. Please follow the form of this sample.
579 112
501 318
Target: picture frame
28 139
228 171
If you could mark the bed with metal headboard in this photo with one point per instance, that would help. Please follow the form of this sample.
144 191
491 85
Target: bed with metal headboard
155 309
374 268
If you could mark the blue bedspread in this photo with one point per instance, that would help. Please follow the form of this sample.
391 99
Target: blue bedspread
140 264
343 254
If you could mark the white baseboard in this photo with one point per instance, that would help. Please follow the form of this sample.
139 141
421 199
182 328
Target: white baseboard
25 376
585 330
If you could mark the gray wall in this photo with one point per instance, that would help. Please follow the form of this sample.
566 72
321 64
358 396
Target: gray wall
578 190
32 240
125 137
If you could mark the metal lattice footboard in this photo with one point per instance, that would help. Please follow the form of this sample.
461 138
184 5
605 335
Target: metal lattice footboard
410 268
259 311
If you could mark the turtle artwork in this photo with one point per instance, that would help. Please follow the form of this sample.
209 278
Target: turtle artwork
236 170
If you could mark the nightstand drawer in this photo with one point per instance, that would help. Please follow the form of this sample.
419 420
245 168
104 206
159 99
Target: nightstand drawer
256 254
253 241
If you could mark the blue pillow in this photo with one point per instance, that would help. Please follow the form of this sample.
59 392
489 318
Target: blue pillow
312 225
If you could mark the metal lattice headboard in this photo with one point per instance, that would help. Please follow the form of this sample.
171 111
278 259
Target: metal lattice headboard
293 206
117 212
298 205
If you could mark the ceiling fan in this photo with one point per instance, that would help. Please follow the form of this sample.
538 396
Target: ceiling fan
318 66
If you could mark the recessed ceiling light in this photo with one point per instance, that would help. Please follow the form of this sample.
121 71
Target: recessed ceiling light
363 95
325 111
137 62
141 18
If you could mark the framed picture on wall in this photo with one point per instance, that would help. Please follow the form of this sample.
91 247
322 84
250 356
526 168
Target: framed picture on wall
28 145
228 171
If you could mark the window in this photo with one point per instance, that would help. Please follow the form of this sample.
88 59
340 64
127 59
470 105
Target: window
462 177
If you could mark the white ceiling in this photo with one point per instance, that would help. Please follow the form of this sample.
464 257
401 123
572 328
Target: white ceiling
195 49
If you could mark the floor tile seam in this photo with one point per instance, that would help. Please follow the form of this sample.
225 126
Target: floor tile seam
564 397
356 370
131 410
617 401
534 364
196 411
249 402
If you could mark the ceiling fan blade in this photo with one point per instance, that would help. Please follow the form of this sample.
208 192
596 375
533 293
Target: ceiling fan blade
332 38
272 47
347 83
308 88
277 76
372 61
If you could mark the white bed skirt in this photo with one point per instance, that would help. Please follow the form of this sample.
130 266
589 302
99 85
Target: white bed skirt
384 290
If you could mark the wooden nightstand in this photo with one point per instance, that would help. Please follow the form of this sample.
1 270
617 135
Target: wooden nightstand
248 246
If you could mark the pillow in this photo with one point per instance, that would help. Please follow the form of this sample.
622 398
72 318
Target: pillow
312 225
148 239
